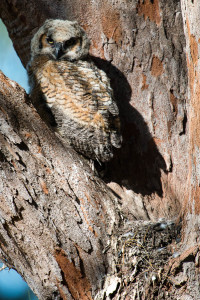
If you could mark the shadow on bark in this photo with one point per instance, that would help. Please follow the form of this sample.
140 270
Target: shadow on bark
138 164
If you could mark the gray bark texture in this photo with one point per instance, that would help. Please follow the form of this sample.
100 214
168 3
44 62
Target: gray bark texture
133 234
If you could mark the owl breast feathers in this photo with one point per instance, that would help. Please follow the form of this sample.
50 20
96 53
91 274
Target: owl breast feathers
70 93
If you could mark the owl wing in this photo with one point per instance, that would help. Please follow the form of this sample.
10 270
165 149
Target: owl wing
81 100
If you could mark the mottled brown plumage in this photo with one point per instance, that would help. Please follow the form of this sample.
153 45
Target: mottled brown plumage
70 93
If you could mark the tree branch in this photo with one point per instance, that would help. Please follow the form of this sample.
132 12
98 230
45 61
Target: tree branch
56 215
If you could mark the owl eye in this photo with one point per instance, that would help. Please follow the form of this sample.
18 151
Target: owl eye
50 41
70 42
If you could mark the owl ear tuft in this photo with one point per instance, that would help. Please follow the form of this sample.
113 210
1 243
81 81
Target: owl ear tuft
75 23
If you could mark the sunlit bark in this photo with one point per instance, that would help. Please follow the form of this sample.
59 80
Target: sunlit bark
59 221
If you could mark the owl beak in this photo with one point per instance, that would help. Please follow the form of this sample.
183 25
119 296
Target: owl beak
58 50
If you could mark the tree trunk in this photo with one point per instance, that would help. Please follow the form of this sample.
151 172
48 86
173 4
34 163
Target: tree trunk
56 216
62 227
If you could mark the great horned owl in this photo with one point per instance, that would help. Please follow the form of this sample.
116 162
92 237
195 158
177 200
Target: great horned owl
70 93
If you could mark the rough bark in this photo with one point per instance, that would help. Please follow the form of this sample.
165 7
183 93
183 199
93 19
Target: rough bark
51 201
59 221
141 47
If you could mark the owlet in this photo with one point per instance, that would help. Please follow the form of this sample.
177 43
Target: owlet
70 93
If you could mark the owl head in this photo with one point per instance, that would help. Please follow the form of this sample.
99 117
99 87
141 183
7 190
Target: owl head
60 40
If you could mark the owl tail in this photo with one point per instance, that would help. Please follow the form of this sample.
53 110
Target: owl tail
116 139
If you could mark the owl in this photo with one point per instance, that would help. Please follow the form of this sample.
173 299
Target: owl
71 94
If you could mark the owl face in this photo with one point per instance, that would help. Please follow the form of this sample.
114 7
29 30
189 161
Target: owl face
60 40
